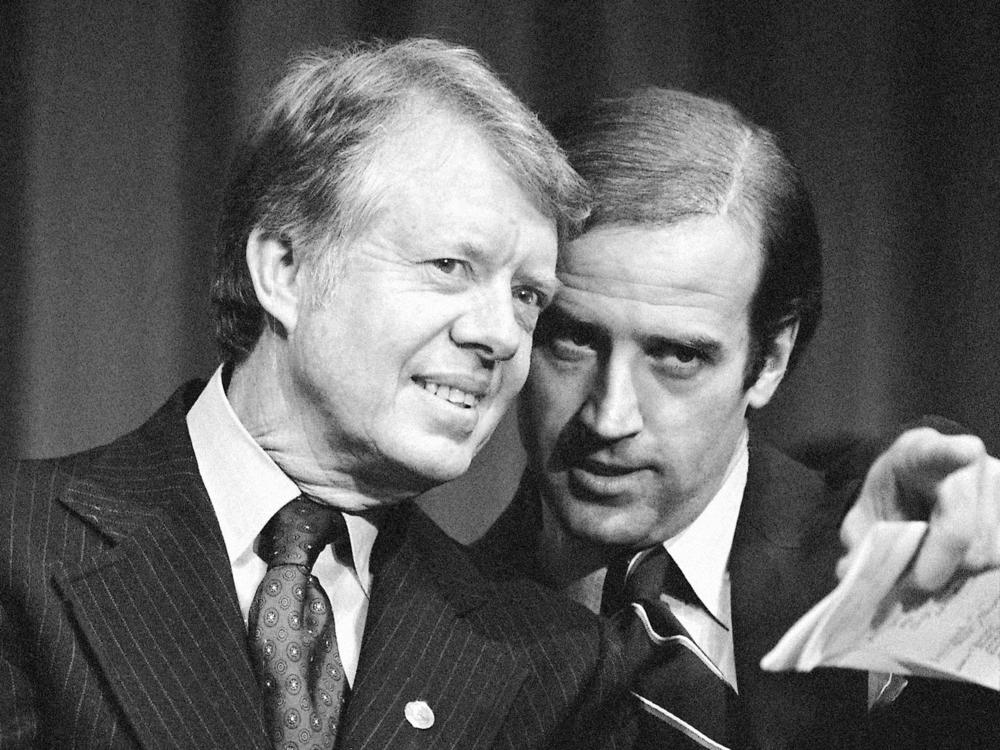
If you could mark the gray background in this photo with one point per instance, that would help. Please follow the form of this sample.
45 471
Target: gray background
118 119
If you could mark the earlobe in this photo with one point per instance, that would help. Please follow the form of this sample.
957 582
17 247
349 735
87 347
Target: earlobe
274 269
775 366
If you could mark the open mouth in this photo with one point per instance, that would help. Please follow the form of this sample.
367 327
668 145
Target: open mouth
451 394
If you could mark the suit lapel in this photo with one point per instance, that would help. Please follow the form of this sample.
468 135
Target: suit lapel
418 646
782 563
158 608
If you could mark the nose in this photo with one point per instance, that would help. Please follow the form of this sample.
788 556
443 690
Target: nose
612 410
490 326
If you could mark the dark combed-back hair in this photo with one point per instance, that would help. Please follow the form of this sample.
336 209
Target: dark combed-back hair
300 175
660 156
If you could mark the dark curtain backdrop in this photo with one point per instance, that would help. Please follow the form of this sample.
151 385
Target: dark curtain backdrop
119 117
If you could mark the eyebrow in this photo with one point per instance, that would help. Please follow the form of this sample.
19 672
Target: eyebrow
559 313
548 283
707 347
472 251
554 315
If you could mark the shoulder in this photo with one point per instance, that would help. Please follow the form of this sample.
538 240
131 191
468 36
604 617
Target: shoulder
509 545
789 502
36 529
506 592
534 624
772 467
567 662
787 541
165 426
29 483
31 514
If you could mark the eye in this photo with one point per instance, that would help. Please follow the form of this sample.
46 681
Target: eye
564 338
530 296
677 360
578 337
446 265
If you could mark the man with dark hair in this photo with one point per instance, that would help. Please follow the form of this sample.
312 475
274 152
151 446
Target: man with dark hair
389 238
695 285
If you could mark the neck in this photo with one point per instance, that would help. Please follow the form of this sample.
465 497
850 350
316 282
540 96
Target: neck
262 393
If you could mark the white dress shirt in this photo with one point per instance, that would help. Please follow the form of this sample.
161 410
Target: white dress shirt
701 551
246 489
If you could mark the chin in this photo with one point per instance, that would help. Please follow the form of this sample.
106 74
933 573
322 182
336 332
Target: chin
602 525
438 469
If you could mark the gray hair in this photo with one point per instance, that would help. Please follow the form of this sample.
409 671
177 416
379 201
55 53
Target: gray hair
300 176
660 156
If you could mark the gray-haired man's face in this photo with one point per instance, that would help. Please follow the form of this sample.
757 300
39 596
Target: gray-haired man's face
404 371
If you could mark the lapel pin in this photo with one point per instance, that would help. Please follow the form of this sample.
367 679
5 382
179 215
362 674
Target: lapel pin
419 714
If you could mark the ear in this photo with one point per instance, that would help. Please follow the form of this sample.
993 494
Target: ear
275 271
775 366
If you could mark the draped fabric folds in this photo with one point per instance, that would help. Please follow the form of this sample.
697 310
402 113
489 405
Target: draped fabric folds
119 127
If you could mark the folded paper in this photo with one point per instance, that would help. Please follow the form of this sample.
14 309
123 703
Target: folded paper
874 620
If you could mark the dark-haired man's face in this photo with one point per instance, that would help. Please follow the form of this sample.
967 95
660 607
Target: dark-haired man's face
635 405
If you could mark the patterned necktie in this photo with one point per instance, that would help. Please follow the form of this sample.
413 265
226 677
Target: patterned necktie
683 696
292 636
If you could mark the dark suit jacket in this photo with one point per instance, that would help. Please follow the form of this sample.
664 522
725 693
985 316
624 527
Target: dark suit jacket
782 562
120 627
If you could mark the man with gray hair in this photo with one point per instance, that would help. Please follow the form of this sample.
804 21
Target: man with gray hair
691 292
245 569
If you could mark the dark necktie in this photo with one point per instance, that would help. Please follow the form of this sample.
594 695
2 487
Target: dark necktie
292 633
682 695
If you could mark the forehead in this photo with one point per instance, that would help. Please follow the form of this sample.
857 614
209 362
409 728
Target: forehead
434 173
702 270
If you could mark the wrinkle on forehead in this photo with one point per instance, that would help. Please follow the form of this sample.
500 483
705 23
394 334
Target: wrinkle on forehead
466 222
649 312
635 291
704 259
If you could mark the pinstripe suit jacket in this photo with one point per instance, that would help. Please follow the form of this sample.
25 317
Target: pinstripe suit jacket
120 627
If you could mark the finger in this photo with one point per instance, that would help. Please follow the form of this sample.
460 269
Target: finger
855 525
844 565
937 560
902 482
928 475
984 551
952 530
853 529
924 455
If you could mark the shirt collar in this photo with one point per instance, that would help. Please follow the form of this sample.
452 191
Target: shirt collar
701 550
245 486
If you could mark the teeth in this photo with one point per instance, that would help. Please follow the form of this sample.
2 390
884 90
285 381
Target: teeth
452 395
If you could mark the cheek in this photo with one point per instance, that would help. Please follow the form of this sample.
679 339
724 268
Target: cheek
552 397
704 436
724 412
704 409
515 372
695 423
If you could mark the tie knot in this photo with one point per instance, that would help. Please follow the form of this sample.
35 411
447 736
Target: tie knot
298 532
644 576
